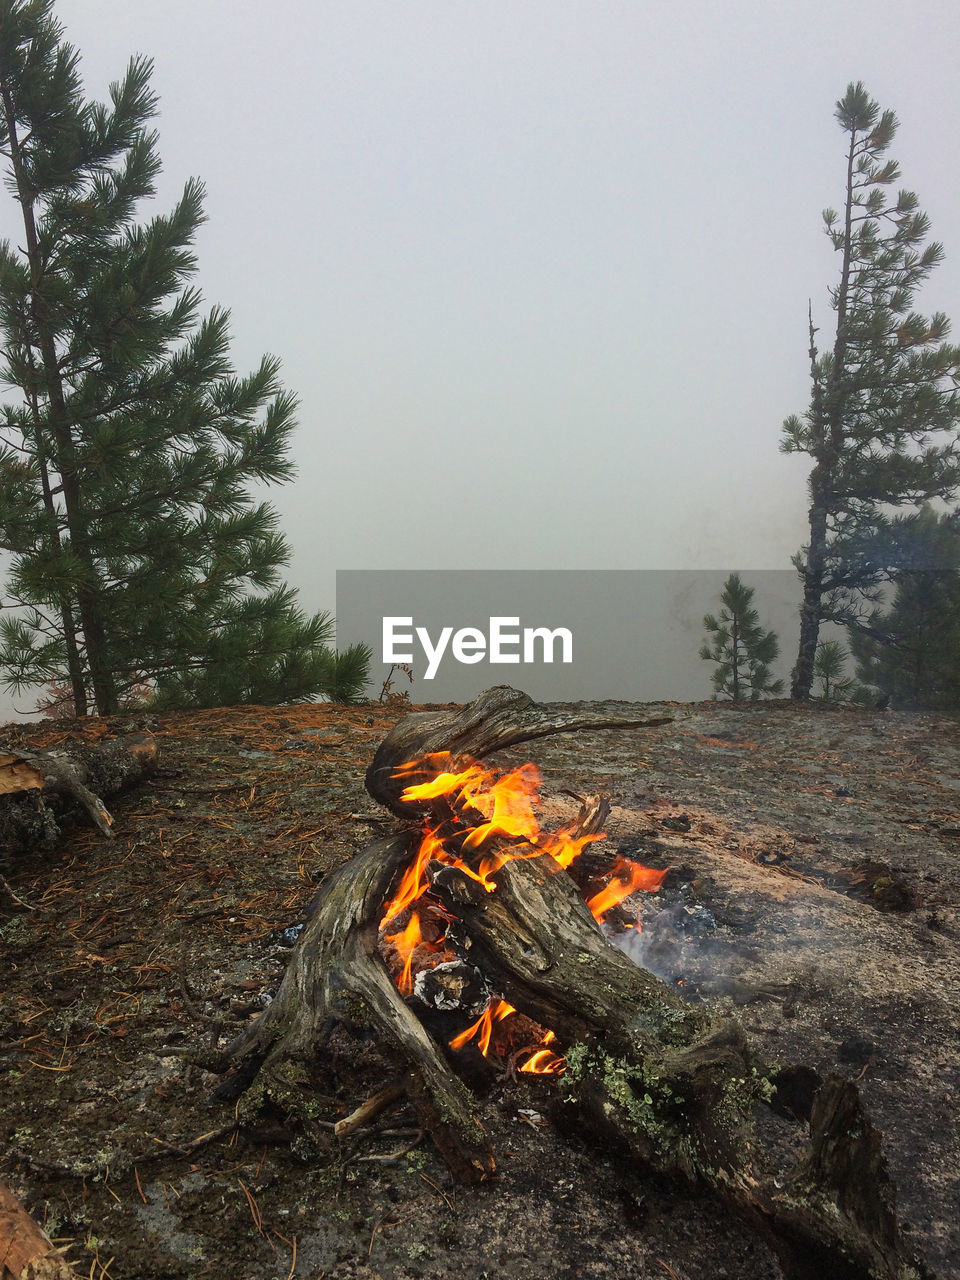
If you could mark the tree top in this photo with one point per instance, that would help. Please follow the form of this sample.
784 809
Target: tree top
857 112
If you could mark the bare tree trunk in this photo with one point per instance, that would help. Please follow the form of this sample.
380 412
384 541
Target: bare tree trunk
828 406
74 664
802 677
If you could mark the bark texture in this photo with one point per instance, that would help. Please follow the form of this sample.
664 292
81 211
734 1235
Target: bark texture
26 1252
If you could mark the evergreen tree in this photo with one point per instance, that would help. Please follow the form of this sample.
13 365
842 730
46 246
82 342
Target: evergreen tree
137 550
910 653
742 651
828 670
881 425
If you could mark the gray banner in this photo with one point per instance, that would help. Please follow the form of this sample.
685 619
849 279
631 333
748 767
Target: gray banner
633 635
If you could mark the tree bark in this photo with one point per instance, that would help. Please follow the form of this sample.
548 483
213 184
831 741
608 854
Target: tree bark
74 663
26 1252
828 408
89 591
801 687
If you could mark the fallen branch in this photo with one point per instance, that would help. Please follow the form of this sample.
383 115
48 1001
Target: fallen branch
37 787
367 1110
21 902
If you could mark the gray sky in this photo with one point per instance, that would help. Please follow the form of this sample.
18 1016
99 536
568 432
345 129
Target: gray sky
538 271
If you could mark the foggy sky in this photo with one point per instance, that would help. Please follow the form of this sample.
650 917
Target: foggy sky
538 271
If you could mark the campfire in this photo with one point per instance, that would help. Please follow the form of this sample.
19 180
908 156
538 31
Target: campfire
471 931
419 941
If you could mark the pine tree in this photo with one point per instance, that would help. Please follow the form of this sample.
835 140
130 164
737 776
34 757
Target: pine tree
881 425
137 550
910 653
742 651
828 671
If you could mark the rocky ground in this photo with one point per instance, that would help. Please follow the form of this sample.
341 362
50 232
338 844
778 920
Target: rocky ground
814 891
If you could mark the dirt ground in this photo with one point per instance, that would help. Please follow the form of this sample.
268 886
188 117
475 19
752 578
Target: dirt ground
814 891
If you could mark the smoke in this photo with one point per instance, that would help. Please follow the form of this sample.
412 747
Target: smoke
681 943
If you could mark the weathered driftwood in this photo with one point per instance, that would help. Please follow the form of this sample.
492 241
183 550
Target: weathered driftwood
665 1082
834 1214
336 954
336 957
37 787
500 718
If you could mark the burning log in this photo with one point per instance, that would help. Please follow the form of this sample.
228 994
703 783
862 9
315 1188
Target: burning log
36 787
470 908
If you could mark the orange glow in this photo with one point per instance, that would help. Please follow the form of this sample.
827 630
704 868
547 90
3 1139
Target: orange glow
628 878
406 942
495 1011
541 1061
492 863
506 803
544 1063
442 784
413 883
564 848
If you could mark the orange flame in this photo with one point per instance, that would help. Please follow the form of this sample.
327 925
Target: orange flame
495 1011
628 878
564 848
544 1063
507 804
413 883
442 784
406 941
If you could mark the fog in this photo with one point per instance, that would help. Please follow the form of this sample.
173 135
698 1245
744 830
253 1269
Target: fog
538 273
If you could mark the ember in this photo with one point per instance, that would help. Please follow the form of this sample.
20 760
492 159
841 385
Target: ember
488 810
